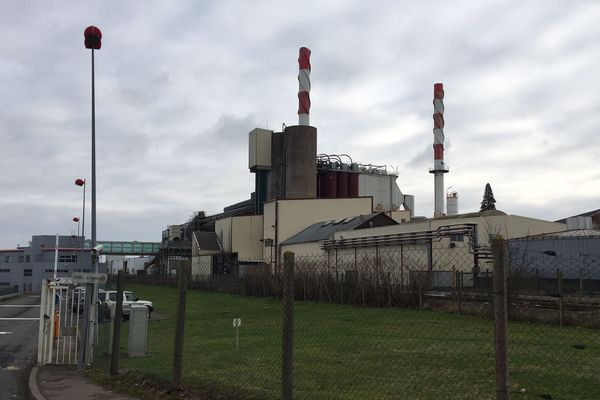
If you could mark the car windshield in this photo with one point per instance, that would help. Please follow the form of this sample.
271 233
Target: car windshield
131 297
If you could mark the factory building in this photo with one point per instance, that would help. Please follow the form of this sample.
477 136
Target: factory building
326 204
460 242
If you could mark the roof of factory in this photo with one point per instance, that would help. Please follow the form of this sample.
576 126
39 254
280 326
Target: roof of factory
207 240
573 233
326 229
585 214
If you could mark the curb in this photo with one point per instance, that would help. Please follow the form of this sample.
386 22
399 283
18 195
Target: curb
33 387
9 296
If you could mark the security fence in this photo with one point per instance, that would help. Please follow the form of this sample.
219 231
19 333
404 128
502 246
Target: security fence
411 321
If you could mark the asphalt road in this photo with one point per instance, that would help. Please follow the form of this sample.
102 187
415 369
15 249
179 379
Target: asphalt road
18 344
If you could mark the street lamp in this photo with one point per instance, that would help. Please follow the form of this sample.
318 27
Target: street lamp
93 41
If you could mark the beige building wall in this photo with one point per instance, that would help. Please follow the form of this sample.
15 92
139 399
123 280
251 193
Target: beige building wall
400 216
242 235
246 237
201 265
285 218
223 231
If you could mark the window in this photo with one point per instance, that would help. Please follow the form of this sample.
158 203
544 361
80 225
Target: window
4 283
8 259
27 258
4 270
27 272
112 296
67 259
21 259
50 271
130 297
457 238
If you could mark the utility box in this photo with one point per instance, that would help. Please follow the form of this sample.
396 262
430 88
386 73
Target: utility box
138 331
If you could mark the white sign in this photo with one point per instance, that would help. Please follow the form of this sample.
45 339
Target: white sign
82 278
237 322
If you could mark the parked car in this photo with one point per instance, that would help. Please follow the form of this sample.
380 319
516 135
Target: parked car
109 297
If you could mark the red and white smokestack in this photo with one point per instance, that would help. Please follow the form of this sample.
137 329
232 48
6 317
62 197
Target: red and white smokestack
439 168
304 87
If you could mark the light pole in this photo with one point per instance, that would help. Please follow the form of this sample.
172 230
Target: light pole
81 183
93 41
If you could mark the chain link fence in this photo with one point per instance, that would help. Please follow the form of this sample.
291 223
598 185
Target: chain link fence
413 321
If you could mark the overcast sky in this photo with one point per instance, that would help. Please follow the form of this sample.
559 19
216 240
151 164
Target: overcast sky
179 84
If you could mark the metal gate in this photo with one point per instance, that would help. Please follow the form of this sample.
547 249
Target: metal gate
61 319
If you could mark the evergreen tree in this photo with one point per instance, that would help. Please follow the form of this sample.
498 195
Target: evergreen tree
488 202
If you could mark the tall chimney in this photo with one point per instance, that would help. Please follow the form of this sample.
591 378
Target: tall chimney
304 87
439 168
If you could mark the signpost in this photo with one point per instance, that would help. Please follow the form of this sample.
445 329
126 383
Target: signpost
237 322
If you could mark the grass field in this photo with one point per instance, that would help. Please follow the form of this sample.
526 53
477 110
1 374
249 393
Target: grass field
345 352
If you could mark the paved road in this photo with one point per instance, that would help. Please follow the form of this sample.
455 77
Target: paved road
18 345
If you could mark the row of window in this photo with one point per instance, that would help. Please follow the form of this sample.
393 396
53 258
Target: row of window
4 283
27 259
28 272
22 259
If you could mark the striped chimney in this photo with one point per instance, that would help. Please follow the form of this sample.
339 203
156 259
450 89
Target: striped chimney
438 123
304 87
439 168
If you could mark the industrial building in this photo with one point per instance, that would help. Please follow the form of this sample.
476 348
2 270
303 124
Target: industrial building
26 266
324 204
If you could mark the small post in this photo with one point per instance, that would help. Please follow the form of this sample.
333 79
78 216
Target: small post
116 334
561 311
287 361
182 277
581 281
537 281
420 283
389 288
459 287
362 287
500 318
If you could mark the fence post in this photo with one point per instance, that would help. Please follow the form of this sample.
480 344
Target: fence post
581 281
116 334
561 310
420 283
458 289
500 318
287 361
182 277
362 287
389 288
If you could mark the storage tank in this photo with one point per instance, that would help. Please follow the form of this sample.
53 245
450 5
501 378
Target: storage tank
331 184
300 149
353 184
452 203
321 184
342 184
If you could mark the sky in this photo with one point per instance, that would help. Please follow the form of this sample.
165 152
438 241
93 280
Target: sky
179 85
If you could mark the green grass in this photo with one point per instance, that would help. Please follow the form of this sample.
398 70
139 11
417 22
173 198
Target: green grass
345 352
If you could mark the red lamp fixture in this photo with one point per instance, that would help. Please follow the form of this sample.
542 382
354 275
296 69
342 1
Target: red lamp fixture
80 182
93 38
